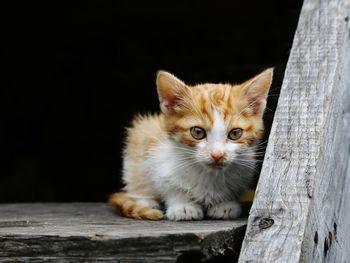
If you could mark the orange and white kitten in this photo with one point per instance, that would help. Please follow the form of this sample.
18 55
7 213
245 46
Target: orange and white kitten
198 155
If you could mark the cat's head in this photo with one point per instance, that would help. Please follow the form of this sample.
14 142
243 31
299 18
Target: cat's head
216 123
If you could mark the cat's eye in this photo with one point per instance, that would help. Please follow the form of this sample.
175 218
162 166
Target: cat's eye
198 133
235 134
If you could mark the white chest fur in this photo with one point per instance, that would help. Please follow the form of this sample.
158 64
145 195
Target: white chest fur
172 167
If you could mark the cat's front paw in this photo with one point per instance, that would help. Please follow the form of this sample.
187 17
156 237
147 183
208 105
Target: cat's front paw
184 212
225 210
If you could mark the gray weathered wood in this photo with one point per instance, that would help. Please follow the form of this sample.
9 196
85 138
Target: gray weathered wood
301 209
94 232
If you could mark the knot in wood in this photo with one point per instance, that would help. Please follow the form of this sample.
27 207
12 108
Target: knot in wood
316 238
266 223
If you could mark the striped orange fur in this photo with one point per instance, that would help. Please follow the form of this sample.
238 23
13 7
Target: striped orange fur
129 208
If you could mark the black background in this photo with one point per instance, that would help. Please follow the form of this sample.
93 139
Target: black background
75 73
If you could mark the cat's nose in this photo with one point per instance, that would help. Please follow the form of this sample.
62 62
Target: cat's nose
217 155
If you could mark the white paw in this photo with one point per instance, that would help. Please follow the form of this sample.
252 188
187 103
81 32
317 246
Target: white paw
226 210
184 212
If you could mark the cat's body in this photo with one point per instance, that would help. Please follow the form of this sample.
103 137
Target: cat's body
198 155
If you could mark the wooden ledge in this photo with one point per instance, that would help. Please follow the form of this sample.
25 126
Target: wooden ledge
74 232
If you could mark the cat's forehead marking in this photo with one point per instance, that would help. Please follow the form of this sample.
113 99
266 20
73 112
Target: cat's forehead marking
218 131
219 103
224 97
213 96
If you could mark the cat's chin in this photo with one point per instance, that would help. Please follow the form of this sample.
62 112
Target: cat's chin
215 166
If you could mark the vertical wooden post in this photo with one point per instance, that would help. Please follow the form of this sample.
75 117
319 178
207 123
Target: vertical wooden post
301 211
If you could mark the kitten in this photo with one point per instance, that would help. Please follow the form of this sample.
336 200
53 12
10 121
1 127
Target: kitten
198 155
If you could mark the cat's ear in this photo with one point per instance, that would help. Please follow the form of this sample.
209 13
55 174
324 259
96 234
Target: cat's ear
257 90
170 91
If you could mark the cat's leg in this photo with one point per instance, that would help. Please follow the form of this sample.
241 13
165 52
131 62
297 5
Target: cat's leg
225 210
180 207
139 198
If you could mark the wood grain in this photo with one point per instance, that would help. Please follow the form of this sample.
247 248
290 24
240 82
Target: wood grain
84 232
301 212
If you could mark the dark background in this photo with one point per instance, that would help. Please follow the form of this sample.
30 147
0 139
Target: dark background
75 73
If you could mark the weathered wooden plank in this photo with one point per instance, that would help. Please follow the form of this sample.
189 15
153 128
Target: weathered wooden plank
328 230
300 212
93 232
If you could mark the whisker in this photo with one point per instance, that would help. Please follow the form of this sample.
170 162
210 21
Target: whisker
184 164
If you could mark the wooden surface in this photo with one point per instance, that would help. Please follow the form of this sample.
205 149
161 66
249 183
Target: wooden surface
93 232
301 212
